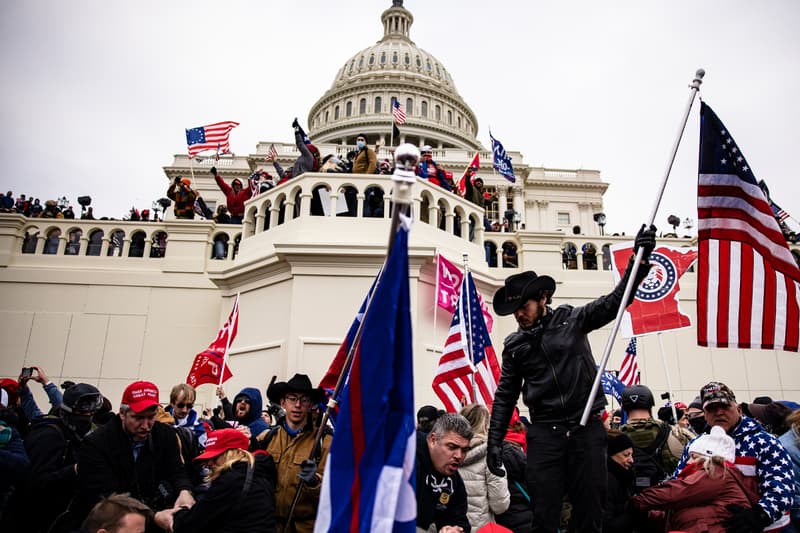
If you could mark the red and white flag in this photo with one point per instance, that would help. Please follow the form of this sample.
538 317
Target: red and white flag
448 288
656 306
629 369
272 154
467 375
210 365
748 284
211 137
475 165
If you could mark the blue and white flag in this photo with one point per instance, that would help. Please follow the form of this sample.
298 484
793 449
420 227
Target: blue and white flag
612 385
501 160
369 479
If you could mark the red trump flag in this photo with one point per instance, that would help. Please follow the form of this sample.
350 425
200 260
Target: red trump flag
210 365
655 306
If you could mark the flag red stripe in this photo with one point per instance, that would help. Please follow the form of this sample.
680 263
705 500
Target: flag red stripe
723 302
702 292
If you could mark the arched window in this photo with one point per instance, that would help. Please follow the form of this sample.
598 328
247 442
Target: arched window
349 109
158 248
510 255
74 242
407 59
362 106
327 115
137 245
409 106
220 248
449 117
336 113
438 112
360 61
51 243
428 64
424 109
394 58
29 243
606 257
378 105
116 242
589 256
383 58
371 60
95 242
458 122
569 256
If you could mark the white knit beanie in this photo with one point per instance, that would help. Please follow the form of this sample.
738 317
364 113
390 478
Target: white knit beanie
716 443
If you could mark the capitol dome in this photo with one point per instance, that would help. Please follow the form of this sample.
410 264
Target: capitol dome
360 98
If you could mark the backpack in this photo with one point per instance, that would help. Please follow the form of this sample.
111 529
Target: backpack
647 461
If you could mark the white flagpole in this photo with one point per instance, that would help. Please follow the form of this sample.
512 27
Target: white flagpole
235 316
468 326
694 89
666 374
436 301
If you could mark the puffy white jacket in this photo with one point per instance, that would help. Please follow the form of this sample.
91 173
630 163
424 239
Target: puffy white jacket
487 494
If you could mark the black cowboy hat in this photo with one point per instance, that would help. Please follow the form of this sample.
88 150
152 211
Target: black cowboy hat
518 289
300 383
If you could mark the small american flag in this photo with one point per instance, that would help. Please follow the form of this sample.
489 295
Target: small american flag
629 369
272 153
398 113
453 380
748 284
779 213
211 137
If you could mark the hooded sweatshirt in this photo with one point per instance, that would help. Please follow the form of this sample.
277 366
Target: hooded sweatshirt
253 418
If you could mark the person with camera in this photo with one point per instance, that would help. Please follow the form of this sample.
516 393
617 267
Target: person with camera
235 196
27 401
184 197
134 453
549 360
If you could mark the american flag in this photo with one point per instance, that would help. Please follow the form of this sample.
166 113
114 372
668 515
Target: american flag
629 369
211 137
272 153
453 380
398 113
748 290
779 213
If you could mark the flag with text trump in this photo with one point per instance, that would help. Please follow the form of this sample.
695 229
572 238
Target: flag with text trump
468 370
748 284
656 305
448 286
209 365
369 479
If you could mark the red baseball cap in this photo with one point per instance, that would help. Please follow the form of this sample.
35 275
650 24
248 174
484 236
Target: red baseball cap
221 441
140 395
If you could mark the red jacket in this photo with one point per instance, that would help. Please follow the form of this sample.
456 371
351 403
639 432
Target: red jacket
696 502
234 201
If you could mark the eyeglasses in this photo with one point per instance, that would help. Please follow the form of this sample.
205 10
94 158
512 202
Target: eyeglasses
293 398
184 405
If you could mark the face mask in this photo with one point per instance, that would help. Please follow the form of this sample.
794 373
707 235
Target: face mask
360 145
698 423
80 424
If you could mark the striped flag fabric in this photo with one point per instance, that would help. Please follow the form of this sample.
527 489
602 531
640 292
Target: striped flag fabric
211 137
272 153
453 382
748 288
398 113
369 478
629 369
779 213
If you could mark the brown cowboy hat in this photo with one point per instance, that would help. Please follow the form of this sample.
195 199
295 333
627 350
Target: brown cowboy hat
518 289
300 383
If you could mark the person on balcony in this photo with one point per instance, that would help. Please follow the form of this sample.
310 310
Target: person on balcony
365 162
235 196
184 197
309 160
428 169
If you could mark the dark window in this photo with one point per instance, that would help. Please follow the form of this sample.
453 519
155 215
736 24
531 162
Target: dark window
362 106
409 106
349 109
378 104
424 109
336 113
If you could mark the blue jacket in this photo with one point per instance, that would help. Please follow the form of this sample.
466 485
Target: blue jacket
253 418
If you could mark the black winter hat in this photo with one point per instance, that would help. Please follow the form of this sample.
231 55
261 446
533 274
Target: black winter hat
618 442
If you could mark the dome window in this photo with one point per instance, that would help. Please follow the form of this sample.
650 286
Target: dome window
378 105
449 117
361 62
409 106
419 62
383 58
349 109
408 59
438 112
362 107
371 59
437 70
336 113
394 58
428 64
424 109
327 116
352 64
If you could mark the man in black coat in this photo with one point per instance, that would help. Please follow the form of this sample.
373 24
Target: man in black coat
441 495
549 360
135 454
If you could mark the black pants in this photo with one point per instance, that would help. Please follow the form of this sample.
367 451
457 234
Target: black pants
575 462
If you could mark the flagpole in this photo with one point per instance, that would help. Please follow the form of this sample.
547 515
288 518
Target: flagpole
468 325
666 374
228 342
404 177
694 89
436 301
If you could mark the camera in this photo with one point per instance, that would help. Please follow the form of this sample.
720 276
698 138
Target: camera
85 201
164 202
665 396
27 372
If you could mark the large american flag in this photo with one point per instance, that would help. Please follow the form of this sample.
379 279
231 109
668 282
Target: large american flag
454 377
748 291
629 369
398 113
211 137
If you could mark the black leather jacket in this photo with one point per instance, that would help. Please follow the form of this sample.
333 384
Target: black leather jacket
552 363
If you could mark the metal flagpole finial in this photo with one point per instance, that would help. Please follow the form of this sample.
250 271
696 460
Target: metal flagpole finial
698 79
406 157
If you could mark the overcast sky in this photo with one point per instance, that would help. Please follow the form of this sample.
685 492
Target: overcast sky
96 94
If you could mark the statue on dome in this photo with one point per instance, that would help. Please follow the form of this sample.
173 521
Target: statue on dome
397 3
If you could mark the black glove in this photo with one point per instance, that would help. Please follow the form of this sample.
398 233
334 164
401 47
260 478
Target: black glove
494 460
295 124
308 472
213 170
746 519
645 239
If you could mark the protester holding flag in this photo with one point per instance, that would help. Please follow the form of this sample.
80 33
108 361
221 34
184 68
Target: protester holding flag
429 170
241 496
184 196
235 196
550 354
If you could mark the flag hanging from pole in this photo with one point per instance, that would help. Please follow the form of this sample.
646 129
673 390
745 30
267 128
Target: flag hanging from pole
611 384
629 369
398 113
369 478
656 305
501 160
475 165
448 288
748 284
779 213
211 137
210 364
453 382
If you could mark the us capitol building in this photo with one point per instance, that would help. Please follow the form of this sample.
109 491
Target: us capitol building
109 302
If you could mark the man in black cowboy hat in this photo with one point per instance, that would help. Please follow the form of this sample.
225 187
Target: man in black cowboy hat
550 361
290 444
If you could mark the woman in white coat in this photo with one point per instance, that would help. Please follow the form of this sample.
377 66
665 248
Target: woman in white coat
487 494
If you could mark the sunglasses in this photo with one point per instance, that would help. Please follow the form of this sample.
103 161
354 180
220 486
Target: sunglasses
184 405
